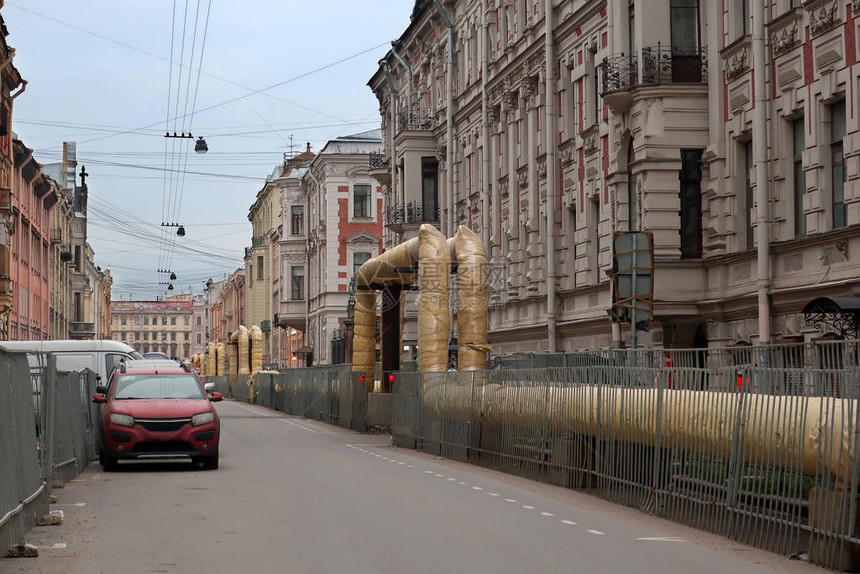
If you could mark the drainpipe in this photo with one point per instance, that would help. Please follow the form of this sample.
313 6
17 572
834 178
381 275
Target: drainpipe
392 110
449 120
760 151
551 176
485 115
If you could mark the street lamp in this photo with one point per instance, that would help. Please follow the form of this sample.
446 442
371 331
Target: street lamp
180 231
199 146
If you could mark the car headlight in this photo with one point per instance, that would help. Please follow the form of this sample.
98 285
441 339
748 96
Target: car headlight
122 420
202 419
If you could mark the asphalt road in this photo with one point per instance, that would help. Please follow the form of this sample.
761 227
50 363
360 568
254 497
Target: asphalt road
296 496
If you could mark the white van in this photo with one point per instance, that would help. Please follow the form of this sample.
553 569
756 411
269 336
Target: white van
97 355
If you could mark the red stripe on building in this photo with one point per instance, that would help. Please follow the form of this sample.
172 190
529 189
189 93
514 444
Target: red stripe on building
808 69
581 180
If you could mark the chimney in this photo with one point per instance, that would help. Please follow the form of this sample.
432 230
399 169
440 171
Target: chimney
309 148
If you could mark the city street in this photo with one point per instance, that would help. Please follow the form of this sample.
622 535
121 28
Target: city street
298 496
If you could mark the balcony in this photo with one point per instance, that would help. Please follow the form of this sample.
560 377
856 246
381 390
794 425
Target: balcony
380 167
248 252
258 241
660 64
414 213
422 120
81 330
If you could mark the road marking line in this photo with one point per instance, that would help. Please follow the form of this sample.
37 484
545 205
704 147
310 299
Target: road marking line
255 411
569 522
547 514
401 463
510 500
494 494
440 475
452 479
378 455
295 424
428 472
477 488
660 539
597 532
528 507
55 546
78 504
410 466
463 483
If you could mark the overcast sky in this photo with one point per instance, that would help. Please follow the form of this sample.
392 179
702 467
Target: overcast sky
99 74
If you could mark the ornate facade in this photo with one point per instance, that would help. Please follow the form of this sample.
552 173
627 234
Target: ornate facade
635 115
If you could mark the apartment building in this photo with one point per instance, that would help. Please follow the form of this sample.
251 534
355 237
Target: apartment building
632 115
163 325
34 197
12 85
334 219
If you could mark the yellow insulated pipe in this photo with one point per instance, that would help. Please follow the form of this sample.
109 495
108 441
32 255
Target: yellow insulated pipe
471 300
809 434
431 252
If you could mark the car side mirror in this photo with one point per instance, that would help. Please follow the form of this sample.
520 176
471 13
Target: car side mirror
99 398
209 387
101 390
216 397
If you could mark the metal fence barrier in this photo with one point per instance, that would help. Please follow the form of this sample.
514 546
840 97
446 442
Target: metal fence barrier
47 437
758 445
325 393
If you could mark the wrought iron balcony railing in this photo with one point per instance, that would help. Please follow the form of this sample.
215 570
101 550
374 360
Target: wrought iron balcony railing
660 64
413 213
423 119
620 73
378 160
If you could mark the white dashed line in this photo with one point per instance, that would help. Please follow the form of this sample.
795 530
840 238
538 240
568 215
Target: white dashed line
547 514
569 522
439 475
78 504
55 546
596 532
378 455
477 488
510 500
401 463
429 472
452 479
660 539
494 494
295 424
463 483
410 466
528 507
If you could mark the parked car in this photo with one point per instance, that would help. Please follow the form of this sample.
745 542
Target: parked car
156 356
157 409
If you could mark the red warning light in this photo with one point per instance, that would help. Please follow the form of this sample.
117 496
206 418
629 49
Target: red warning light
361 379
390 378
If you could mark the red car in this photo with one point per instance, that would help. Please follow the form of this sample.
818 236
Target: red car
157 409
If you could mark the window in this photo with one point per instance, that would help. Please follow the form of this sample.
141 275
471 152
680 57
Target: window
187 335
691 203
172 320
123 321
187 321
631 27
199 339
684 26
173 336
361 200
146 320
746 23
749 164
259 267
799 143
837 162
146 335
198 320
429 189
359 259
163 320
137 336
297 219
298 282
137 320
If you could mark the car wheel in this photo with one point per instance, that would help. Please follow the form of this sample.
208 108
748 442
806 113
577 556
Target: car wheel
210 463
110 463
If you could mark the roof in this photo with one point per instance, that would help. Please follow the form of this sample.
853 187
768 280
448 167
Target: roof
154 366
69 346
370 135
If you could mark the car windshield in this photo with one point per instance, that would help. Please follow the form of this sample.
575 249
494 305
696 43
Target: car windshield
157 386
